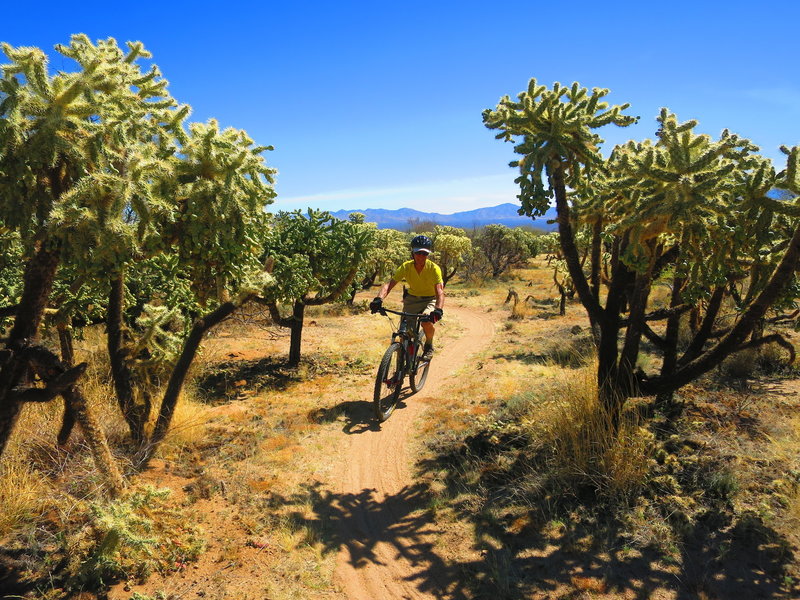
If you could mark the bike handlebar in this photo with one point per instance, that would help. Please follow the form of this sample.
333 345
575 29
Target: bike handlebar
422 318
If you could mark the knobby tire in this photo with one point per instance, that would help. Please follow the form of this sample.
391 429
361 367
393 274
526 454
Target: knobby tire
388 381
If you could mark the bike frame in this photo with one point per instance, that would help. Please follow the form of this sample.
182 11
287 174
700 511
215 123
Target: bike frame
401 360
408 339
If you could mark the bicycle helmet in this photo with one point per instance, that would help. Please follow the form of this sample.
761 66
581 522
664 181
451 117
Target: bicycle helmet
422 243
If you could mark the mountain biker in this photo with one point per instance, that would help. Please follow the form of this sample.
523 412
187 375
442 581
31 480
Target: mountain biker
425 289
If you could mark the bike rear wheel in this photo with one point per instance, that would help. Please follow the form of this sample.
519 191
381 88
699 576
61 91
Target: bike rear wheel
420 373
388 381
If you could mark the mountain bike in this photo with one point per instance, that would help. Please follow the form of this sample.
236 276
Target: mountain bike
402 357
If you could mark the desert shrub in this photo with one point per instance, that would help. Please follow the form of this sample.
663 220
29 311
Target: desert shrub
722 484
741 365
519 311
573 352
477 269
581 447
767 360
772 359
130 538
520 405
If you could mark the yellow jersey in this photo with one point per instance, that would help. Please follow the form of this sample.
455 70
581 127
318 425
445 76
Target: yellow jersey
420 284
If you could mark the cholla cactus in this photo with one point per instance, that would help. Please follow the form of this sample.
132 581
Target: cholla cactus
684 208
555 134
316 259
98 176
451 247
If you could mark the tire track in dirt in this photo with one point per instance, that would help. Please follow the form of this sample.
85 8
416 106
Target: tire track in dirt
387 550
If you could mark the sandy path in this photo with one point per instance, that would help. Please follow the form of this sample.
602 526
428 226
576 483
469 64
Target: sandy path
388 549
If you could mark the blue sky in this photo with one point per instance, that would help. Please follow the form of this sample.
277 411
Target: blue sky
378 104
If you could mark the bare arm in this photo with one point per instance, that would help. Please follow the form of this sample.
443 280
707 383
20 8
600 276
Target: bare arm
439 295
387 287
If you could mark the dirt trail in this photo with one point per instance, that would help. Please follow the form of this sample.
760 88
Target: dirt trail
388 549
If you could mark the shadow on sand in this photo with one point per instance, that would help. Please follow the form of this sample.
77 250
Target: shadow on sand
359 415
717 561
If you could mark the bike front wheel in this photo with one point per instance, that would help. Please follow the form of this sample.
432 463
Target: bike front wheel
420 372
388 381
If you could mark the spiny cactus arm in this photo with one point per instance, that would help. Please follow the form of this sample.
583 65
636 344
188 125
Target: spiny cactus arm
737 335
790 209
179 373
336 292
790 177
30 62
55 386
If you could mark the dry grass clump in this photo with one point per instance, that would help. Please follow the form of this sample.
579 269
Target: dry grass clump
747 364
581 443
189 426
24 496
574 352
519 311
555 443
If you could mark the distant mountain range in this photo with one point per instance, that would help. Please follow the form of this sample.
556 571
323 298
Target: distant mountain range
404 218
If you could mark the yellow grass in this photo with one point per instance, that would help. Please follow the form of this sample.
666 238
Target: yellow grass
189 425
576 425
784 448
24 495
